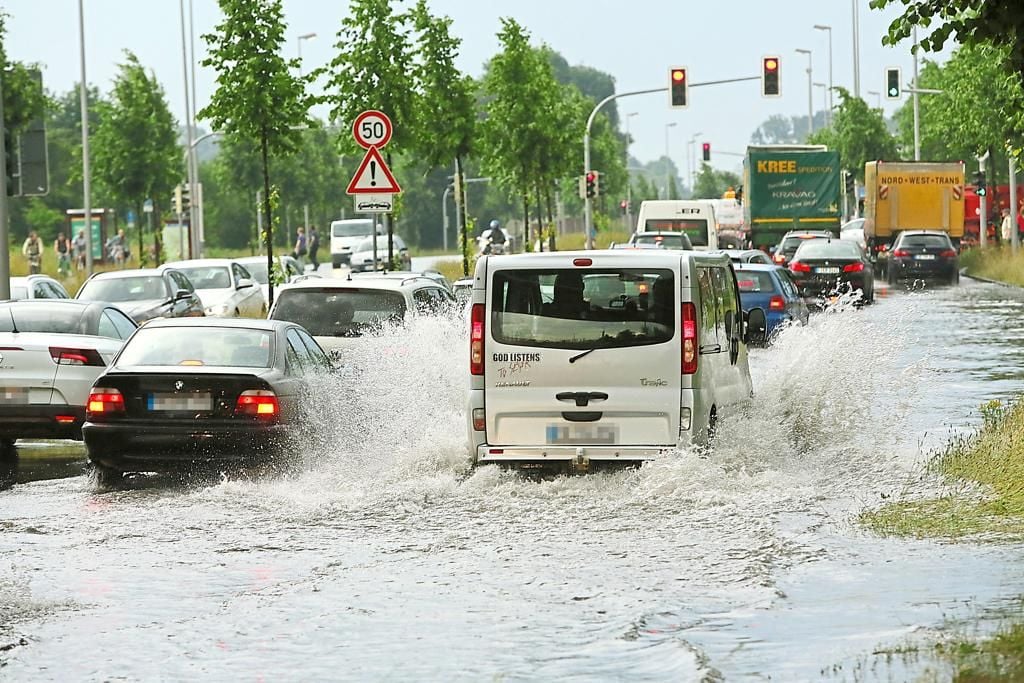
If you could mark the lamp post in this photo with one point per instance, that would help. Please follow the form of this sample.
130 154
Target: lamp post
629 181
824 93
825 27
298 42
878 95
86 177
856 50
668 159
691 158
810 91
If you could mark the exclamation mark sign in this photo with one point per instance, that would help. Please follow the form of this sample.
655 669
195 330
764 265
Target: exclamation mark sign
373 173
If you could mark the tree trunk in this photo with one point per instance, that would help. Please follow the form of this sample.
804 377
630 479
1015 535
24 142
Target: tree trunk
391 230
138 217
540 219
526 221
268 229
551 220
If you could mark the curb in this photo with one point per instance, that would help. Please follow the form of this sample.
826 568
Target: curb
964 273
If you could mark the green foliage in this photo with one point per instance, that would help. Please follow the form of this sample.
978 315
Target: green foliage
858 132
711 183
23 99
1001 264
42 218
785 130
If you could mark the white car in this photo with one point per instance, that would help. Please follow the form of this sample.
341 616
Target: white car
854 230
348 234
257 268
363 254
334 311
51 352
37 287
225 287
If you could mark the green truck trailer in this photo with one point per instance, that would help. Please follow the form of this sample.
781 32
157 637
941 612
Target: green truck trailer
789 187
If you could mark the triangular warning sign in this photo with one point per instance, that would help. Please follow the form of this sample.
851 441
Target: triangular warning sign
373 176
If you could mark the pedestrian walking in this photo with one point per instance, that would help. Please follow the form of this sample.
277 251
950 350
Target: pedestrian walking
314 246
62 248
80 246
32 249
300 247
1006 226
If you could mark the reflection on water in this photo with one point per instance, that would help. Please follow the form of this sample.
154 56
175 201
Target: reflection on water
40 461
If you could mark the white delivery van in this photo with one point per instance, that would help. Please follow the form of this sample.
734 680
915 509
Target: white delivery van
346 235
695 217
603 356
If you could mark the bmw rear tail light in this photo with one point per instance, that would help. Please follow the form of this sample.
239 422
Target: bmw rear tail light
949 253
63 355
854 268
103 402
476 340
901 253
776 303
259 403
798 267
689 338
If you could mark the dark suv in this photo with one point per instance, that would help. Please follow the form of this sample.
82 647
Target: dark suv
923 254
792 240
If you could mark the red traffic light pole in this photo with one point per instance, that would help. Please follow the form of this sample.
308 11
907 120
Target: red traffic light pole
588 208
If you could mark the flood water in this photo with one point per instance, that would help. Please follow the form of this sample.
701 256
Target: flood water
388 557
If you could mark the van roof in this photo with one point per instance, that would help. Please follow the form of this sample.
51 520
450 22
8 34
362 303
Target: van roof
619 258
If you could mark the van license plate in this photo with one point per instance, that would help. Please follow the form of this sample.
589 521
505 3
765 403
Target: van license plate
14 396
827 271
582 434
198 401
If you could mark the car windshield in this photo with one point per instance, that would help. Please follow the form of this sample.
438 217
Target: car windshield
670 241
333 312
827 249
695 228
208 277
791 244
606 308
19 292
49 318
754 281
198 346
134 288
258 270
934 241
353 229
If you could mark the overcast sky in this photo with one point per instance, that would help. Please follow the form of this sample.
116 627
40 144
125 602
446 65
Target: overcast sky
635 41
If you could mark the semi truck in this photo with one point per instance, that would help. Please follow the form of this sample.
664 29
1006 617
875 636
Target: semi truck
911 195
789 187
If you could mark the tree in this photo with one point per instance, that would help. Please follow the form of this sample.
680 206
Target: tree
859 134
257 95
135 147
712 183
23 99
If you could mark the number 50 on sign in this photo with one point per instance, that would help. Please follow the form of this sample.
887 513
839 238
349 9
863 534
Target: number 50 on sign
372 128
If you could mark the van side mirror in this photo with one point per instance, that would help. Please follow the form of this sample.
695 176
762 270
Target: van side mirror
756 333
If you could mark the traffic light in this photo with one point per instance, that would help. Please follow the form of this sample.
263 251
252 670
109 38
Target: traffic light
893 89
10 163
592 180
677 86
186 198
707 151
770 77
176 200
850 181
624 205
979 184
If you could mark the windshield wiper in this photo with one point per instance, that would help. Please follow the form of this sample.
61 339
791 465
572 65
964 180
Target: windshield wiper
585 353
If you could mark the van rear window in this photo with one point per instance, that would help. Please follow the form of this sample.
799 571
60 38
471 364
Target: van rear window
583 309
695 228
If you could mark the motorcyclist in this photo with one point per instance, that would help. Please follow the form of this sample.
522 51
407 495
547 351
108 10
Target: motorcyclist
493 239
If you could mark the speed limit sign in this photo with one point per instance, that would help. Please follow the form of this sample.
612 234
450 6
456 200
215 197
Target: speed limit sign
372 128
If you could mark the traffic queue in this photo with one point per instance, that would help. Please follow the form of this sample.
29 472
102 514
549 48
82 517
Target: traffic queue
577 360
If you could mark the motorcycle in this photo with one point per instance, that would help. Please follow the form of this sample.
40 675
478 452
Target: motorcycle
487 246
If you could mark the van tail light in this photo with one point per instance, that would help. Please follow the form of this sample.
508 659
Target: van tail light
901 253
798 267
476 340
63 355
948 253
479 421
689 338
103 402
259 403
857 267
776 303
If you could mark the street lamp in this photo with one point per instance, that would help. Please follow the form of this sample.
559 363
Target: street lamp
824 93
691 153
856 49
877 95
810 91
668 159
298 42
86 171
825 27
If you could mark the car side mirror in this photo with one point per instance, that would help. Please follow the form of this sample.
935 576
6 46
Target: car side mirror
182 294
756 332
244 283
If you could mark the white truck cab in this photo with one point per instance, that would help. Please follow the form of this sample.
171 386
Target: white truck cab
603 356
695 217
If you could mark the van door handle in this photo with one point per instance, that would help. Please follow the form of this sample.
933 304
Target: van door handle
582 398
711 348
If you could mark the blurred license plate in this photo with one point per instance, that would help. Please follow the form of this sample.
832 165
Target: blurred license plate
13 396
925 257
179 402
827 271
582 434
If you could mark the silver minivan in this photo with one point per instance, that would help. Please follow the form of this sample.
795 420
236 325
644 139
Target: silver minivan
603 356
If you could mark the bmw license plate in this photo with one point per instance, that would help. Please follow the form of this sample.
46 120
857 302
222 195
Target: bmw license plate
582 434
925 257
197 401
827 271
14 396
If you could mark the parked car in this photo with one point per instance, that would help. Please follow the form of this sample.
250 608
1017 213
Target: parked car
363 254
827 267
336 311
923 254
37 287
792 240
188 392
771 289
348 234
226 288
463 290
621 364
257 268
747 256
145 293
50 353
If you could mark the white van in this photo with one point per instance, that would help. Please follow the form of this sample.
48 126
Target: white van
346 235
695 217
603 356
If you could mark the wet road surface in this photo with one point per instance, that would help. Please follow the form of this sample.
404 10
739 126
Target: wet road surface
387 557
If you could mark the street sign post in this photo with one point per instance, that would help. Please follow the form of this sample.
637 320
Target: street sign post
373 187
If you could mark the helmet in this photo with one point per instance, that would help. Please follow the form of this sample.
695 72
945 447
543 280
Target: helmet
493 224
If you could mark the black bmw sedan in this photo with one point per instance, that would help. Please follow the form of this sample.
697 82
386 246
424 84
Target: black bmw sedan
190 391
923 254
823 268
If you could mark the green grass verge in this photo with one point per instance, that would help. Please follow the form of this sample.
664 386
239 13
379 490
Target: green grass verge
995 263
999 658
